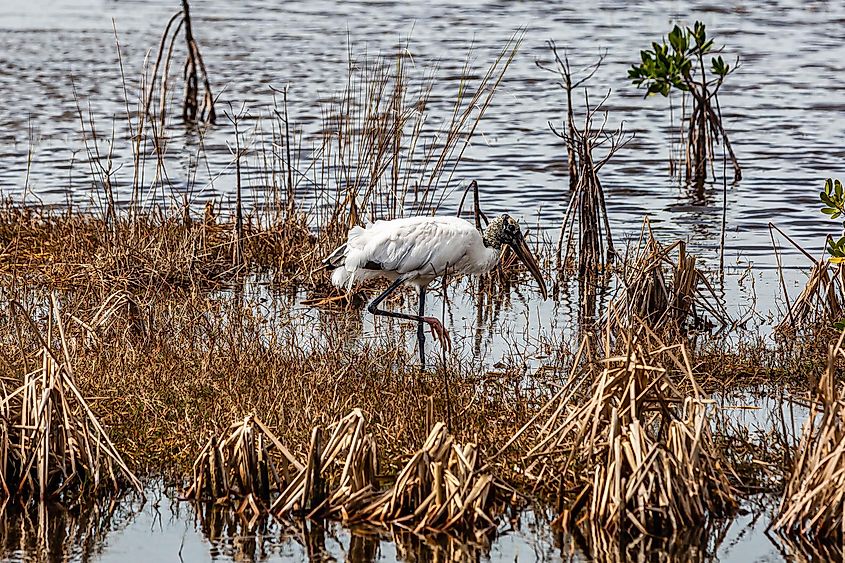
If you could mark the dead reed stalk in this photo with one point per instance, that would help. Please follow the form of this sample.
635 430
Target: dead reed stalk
626 447
812 503
52 446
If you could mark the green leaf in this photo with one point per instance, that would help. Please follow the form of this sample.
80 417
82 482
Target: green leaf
828 185
675 38
826 199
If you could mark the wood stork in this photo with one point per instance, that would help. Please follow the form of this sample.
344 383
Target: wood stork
416 250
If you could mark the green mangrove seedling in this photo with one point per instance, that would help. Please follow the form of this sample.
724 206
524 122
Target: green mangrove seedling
679 64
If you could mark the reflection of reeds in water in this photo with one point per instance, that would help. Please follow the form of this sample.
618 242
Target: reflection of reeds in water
692 544
812 503
55 532
233 535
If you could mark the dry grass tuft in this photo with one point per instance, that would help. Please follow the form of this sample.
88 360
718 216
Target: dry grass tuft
143 254
821 302
52 445
627 447
443 486
668 293
247 463
811 506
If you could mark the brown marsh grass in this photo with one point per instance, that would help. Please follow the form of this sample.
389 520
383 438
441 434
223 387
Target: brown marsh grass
811 506
627 443
165 341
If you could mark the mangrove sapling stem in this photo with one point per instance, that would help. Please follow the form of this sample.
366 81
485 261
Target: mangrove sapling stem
679 64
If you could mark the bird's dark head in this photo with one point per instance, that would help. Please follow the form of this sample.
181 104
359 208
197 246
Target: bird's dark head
503 230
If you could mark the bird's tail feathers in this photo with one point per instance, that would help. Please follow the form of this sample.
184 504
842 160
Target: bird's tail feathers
342 278
336 258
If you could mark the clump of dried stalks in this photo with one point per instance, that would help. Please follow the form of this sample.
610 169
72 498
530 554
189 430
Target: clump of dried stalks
443 486
248 463
625 445
811 506
821 301
52 445
585 230
668 293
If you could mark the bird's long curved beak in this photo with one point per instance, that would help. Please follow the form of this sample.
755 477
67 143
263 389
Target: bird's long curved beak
524 253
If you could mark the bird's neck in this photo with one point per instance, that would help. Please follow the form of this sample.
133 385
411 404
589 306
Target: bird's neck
489 258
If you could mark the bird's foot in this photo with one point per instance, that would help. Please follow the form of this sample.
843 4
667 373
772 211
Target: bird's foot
438 332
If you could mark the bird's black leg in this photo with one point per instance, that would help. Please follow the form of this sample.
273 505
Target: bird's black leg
373 306
436 326
421 328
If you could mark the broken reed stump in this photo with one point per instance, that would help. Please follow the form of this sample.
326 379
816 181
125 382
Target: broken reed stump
52 446
191 109
247 463
443 487
663 288
812 507
625 448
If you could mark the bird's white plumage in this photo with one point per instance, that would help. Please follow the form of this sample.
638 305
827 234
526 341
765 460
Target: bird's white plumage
417 249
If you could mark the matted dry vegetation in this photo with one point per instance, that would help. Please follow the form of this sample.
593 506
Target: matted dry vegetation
167 366
184 349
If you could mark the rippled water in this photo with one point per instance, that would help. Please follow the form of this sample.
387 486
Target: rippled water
784 110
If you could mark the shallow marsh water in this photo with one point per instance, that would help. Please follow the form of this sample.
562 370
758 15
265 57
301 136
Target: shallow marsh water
783 109
166 529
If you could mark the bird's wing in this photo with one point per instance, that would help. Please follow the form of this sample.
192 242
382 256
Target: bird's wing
425 246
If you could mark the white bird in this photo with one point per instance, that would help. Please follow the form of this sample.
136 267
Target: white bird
417 250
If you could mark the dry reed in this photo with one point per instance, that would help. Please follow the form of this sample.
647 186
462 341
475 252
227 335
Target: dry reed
668 293
811 506
52 445
442 487
626 447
